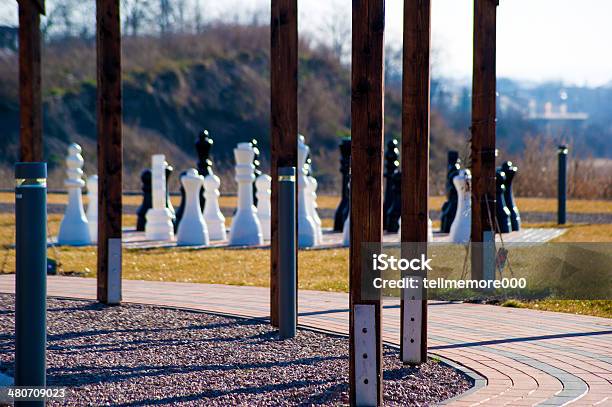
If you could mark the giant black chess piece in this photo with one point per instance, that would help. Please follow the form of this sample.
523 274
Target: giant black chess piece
515 216
394 212
203 145
449 208
147 200
502 213
169 171
257 170
391 167
342 211
181 208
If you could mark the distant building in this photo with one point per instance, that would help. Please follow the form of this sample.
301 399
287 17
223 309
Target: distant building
556 120
9 38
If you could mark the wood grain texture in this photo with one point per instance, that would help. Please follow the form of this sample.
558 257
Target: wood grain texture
367 129
284 117
30 99
108 42
415 137
483 127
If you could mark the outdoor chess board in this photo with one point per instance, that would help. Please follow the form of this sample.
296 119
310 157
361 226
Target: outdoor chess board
331 240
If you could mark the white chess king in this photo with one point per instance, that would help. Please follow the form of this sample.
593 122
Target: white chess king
74 229
192 230
215 221
246 229
462 224
159 218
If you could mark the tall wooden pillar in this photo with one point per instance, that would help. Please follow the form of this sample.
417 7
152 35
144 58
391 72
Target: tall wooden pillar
483 138
110 160
367 129
284 116
30 100
415 171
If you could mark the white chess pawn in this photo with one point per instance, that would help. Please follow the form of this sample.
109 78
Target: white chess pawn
159 218
74 229
307 230
313 208
215 221
245 229
264 206
92 207
462 224
192 230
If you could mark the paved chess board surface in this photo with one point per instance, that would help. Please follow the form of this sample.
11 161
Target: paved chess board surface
137 240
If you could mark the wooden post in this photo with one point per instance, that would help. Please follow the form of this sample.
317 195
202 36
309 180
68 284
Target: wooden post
30 100
367 129
284 117
483 137
110 160
415 170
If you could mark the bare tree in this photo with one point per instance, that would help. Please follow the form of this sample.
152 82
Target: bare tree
165 16
136 14
180 11
337 30
198 18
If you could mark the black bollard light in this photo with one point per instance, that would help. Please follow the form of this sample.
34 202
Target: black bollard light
562 185
31 276
287 263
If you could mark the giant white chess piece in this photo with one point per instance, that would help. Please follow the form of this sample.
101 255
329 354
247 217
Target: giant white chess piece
92 207
159 218
462 224
313 208
215 221
346 231
307 230
245 229
192 230
264 206
74 229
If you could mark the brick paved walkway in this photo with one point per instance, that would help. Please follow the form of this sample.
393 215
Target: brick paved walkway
527 357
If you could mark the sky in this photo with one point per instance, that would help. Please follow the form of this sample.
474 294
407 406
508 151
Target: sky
537 40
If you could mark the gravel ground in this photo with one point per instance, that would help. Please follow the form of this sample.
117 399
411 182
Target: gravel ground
141 355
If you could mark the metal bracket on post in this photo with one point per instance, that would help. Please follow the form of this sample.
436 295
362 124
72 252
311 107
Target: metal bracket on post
488 255
413 315
365 355
114 271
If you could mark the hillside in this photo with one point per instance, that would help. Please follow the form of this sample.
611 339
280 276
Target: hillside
172 88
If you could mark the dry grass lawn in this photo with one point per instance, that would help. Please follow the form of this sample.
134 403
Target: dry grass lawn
331 202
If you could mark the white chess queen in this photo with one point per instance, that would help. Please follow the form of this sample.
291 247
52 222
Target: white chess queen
307 229
74 229
192 230
462 224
